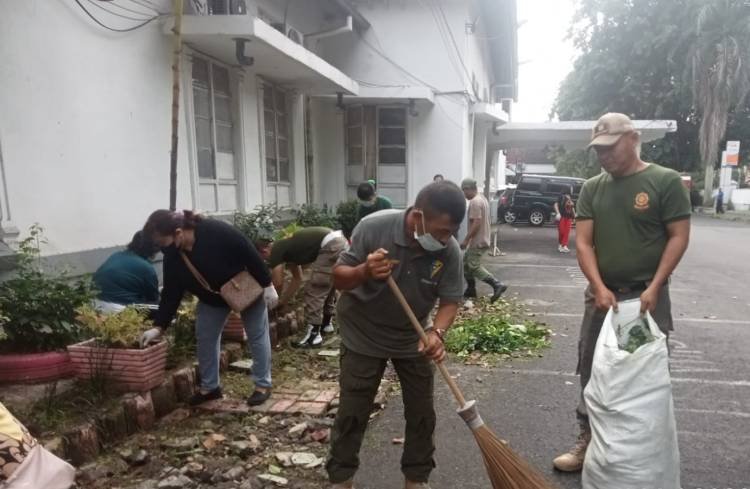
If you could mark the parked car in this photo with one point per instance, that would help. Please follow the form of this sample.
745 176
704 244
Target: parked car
535 197
503 198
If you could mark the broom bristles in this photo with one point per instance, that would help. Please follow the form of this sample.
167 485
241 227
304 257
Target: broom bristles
506 470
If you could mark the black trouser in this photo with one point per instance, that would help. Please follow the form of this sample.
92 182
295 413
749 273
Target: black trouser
359 381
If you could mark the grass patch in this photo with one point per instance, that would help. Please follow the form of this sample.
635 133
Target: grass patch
495 330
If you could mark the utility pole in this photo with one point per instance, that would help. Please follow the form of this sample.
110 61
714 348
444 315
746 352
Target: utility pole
177 54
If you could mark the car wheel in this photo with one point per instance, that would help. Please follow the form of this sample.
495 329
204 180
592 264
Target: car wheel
537 217
510 217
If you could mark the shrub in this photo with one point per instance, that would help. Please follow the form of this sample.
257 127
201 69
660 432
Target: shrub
308 215
39 309
259 224
118 330
182 333
346 214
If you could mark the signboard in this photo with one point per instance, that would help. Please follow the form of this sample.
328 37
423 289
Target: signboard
732 154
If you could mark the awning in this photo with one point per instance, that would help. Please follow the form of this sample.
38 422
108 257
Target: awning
275 55
489 112
394 94
569 134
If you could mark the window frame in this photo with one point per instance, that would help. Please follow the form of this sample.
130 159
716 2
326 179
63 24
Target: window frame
275 89
234 115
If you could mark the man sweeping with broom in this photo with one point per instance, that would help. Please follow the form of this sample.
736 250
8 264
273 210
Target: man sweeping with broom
399 265
416 247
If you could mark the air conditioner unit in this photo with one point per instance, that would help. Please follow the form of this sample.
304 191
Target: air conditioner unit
289 32
295 35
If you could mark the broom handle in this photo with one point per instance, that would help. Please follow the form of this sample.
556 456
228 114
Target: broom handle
423 336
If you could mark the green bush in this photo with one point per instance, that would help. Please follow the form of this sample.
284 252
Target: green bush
117 330
346 214
39 309
308 215
259 224
181 333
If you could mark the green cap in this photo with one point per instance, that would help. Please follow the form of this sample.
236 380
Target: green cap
469 183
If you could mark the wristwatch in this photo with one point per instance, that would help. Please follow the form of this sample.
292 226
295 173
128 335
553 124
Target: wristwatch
440 333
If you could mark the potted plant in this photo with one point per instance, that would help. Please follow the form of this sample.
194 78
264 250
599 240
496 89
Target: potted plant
113 354
38 317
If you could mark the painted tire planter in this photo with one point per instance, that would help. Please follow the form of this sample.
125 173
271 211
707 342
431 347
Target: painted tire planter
28 368
129 369
234 329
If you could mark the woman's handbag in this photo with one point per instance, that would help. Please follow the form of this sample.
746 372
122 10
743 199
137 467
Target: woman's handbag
240 292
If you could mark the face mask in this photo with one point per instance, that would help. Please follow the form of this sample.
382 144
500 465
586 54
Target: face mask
367 203
426 240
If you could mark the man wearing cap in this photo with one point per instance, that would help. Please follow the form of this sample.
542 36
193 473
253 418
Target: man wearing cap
632 230
370 201
476 243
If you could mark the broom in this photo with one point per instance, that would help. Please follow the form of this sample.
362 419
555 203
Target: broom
506 470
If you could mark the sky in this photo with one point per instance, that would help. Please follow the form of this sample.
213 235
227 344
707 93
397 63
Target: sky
545 56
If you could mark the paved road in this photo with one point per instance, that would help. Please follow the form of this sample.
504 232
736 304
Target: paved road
530 402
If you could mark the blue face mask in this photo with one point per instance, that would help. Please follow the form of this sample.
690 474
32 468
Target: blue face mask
427 241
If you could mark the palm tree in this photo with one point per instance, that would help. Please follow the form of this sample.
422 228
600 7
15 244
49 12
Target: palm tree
720 60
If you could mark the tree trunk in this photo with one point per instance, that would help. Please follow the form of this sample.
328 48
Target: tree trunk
708 187
177 46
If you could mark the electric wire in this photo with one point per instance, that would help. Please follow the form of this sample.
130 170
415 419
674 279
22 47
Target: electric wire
455 45
127 17
132 11
128 29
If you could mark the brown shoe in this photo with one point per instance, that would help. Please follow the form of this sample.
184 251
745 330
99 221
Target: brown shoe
573 460
343 485
416 485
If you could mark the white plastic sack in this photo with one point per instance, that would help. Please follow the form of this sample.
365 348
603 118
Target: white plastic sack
631 411
41 469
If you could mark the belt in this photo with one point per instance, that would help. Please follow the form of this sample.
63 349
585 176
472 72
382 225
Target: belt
628 289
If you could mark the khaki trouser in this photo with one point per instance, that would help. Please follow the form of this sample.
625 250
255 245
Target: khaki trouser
319 296
359 380
473 268
591 325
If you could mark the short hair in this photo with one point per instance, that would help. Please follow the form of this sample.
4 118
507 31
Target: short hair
365 191
440 198
142 246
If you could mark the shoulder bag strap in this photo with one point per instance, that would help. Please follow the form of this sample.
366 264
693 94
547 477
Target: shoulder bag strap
196 273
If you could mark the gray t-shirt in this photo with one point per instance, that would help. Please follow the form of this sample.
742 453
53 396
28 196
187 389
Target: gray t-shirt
370 318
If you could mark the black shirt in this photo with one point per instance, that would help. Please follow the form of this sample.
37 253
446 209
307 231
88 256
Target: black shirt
219 253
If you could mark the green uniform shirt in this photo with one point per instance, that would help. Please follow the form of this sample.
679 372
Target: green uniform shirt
301 248
370 318
630 216
380 204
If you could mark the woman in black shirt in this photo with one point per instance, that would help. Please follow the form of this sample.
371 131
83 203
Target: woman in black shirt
219 252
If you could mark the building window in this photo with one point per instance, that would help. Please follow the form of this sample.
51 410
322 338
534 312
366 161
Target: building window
377 148
217 162
277 140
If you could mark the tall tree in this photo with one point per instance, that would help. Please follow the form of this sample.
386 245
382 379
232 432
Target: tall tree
720 58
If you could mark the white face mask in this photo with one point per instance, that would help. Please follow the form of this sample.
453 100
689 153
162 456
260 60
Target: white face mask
367 203
427 241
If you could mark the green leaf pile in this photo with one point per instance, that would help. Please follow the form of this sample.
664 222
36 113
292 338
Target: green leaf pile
495 329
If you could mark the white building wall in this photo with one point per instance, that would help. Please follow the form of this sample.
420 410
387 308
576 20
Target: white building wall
404 37
85 124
